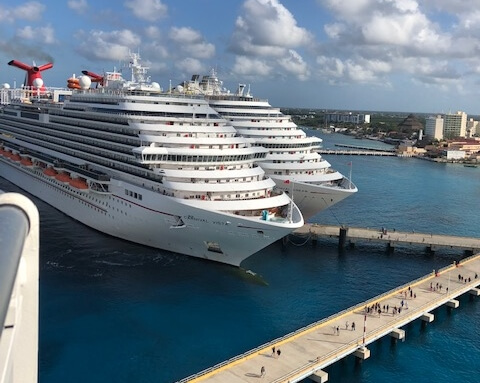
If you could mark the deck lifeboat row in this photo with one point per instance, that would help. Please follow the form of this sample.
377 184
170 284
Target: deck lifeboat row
76 182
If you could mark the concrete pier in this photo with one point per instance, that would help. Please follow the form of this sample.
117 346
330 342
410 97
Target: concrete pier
427 317
392 238
305 353
319 376
398 334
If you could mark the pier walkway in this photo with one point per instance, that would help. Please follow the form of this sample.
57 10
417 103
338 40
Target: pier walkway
304 353
391 237
355 152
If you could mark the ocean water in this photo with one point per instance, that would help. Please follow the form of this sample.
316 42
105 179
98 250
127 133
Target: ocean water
113 311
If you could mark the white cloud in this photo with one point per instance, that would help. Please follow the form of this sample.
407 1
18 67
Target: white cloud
191 42
40 35
79 6
102 45
266 27
30 11
351 71
295 65
251 67
190 66
150 10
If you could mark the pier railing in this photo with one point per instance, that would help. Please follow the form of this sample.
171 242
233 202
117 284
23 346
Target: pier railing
19 246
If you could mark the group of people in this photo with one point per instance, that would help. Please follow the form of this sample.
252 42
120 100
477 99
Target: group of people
275 354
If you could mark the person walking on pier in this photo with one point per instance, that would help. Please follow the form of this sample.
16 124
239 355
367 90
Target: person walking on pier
353 326
273 351
262 371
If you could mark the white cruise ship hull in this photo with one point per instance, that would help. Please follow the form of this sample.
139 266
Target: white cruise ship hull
154 220
311 199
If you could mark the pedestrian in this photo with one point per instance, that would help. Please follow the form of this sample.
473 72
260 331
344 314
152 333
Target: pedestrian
338 330
353 326
346 325
273 351
262 371
278 353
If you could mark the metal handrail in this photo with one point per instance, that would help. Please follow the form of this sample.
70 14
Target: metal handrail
14 227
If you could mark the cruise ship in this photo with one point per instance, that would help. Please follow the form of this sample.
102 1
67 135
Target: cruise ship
292 160
144 165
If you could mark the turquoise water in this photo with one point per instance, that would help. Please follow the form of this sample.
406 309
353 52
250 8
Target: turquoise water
116 311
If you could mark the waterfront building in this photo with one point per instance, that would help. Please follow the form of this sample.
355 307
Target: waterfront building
454 124
434 127
347 117
472 128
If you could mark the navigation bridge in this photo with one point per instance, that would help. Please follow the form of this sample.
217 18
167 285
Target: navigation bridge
306 352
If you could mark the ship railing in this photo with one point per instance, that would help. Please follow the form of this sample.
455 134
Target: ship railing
19 238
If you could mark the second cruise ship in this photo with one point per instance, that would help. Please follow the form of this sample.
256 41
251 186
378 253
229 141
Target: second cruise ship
292 160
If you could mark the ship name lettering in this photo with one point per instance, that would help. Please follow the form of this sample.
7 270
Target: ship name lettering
193 218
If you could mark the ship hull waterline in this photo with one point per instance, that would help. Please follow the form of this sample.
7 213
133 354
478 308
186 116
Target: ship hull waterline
205 234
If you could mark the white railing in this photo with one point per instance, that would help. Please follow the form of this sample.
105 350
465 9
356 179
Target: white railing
19 246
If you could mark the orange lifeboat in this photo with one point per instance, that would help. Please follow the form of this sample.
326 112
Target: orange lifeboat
73 83
50 172
16 157
26 161
78 183
63 177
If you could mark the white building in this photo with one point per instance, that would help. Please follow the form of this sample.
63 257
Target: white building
434 127
472 128
354 118
454 154
454 125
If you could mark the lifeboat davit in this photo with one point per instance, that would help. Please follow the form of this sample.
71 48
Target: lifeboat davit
63 177
50 172
79 183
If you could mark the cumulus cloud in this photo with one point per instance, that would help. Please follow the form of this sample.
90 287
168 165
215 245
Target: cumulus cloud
191 42
294 64
150 10
337 71
40 35
101 45
247 66
79 6
266 28
30 11
190 66
397 32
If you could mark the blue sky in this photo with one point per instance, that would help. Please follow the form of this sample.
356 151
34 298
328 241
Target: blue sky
392 55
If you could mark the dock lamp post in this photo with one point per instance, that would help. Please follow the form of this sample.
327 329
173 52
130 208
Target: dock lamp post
364 328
